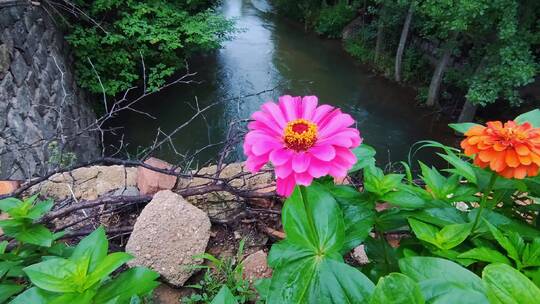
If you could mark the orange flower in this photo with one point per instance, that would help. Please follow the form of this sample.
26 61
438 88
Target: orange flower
511 150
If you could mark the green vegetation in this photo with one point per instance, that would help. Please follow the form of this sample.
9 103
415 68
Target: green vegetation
40 269
162 34
469 242
224 278
485 50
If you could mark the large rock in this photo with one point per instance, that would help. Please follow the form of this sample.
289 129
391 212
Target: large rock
166 236
87 183
222 205
150 182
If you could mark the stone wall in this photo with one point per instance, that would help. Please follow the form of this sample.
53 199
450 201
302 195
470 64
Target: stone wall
40 103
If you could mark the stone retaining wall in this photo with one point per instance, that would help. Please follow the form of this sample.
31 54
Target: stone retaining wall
40 103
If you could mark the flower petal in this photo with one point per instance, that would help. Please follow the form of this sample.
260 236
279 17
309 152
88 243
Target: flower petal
280 156
285 186
289 106
309 104
300 162
323 152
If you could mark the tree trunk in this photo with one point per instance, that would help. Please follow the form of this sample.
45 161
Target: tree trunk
379 41
435 85
468 112
403 41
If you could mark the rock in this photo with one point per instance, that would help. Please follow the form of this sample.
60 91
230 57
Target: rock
7 187
127 191
222 205
87 183
166 236
256 267
359 254
150 182
165 294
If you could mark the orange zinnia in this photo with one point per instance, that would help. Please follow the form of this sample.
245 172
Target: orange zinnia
511 150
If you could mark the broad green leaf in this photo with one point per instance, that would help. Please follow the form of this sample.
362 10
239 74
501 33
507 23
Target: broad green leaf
54 275
462 127
424 232
441 216
507 285
397 288
485 254
74 297
404 198
308 266
94 246
452 235
364 157
135 281
109 264
533 117
7 290
319 281
33 295
443 281
312 219
3 246
358 214
224 296
263 288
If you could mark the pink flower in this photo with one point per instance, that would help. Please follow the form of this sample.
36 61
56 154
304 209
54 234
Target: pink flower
302 140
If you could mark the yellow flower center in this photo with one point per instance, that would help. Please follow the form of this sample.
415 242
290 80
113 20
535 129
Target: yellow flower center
300 134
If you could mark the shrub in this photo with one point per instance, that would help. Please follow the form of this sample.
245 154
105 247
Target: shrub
333 19
47 271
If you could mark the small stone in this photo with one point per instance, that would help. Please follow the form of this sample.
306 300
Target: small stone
359 254
256 266
150 182
165 294
7 187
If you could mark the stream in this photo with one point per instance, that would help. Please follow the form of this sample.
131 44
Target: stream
272 52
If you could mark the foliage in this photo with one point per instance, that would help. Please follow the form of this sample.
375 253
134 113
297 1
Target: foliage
159 34
223 281
46 271
333 19
469 240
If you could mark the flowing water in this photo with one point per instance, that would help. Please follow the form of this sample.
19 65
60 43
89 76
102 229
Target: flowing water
273 52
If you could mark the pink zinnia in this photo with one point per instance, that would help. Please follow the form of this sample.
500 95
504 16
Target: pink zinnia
302 140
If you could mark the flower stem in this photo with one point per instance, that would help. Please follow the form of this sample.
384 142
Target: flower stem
483 201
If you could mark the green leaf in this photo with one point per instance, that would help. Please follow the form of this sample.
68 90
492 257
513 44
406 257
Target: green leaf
109 264
263 288
533 117
358 214
224 296
397 288
37 235
53 275
424 232
39 209
7 290
531 254
365 157
462 127
485 254
462 167
308 267
507 285
452 235
404 198
33 295
503 223
505 243
443 281
10 203
94 246
135 281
